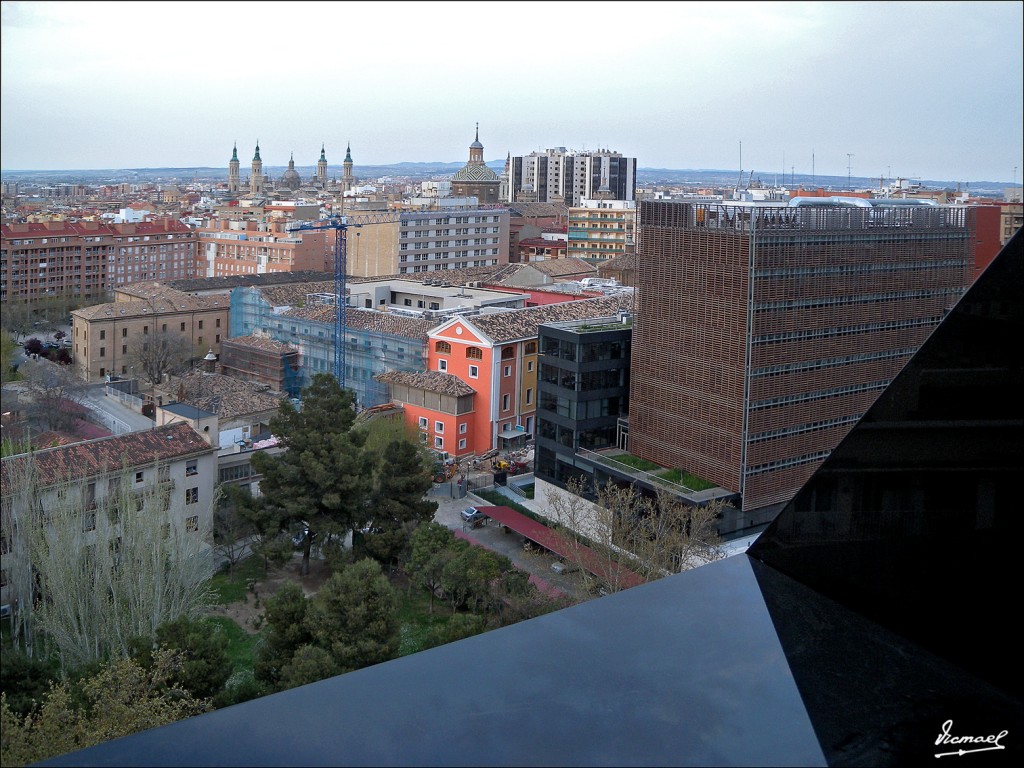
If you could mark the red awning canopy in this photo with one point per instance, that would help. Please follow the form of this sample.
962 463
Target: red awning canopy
604 568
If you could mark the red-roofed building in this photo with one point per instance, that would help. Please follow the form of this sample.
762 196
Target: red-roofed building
86 259
171 458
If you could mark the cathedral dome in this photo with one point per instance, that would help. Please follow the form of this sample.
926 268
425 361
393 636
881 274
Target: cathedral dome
291 178
474 172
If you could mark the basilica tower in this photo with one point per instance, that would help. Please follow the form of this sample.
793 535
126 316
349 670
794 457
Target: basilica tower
234 184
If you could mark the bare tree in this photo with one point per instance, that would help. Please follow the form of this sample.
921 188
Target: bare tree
90 572
55 395
155 354
625 534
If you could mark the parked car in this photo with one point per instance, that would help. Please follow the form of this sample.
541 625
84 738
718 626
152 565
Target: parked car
472 515
561 567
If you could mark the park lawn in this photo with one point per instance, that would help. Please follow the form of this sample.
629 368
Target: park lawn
241 645
232 586
416 621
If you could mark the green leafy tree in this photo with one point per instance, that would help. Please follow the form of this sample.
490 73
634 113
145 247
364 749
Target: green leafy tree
7 357
308 664
202 648
397 505
121 699
324 478
354 617
431 547
24 680
286 632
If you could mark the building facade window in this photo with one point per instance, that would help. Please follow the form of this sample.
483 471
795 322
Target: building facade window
442 347
439 427
463 428
506 371
474 372
474 353
192 495
504 402
439 442
424 423
442 365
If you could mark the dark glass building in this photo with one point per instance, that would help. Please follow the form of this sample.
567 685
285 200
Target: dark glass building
582 393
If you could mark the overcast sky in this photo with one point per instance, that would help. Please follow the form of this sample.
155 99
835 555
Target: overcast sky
916 89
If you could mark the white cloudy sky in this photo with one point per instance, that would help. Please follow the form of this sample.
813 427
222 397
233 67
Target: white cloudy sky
918 89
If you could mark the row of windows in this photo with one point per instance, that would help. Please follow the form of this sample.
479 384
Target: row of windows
831 362
859 269
869 298
814 426
795 461
822 333
583 382
820 394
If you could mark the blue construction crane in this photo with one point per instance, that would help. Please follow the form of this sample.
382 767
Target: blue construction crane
339 225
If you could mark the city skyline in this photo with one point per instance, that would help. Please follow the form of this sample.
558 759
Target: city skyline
922 91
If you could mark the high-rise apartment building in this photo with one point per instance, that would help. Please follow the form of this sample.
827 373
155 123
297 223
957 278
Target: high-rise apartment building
559 175
601 229
87 260
407 242
764 332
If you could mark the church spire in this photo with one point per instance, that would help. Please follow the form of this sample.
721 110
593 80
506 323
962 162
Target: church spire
348 152
234 153
322 155
257 155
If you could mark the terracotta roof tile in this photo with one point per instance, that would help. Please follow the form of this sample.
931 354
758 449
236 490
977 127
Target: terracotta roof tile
431 381
223 395
96 457
504 327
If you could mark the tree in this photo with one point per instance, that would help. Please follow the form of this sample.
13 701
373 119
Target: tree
155 354
121 699
93 574
201 649
431 549
24 680
233 530
397 503
627 531
17 319
8 350
324 478
33 346
55 396
286 632
354 617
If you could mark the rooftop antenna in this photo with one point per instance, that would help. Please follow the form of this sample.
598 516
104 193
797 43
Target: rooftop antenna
849 167
739 179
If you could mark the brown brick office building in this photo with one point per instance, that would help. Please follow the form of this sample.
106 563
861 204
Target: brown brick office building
764 332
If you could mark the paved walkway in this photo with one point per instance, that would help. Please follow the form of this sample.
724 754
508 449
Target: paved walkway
118 418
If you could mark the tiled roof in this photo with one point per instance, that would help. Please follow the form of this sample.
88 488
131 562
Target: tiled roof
432 381
259 342
567 266
160 300
537 210
247 281
225 396
95 457
503 327
65 229
625 261
367 320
